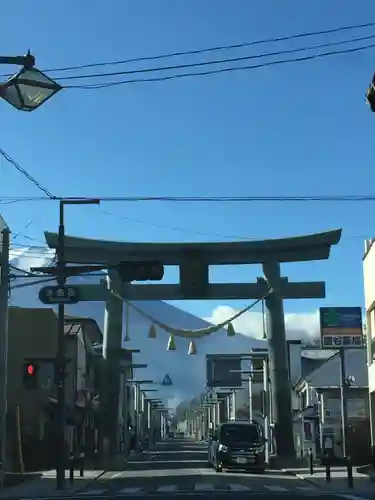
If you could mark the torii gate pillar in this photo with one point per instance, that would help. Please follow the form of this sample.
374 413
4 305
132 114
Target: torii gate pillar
278 362
110 386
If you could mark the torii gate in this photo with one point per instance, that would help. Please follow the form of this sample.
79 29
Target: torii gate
194 260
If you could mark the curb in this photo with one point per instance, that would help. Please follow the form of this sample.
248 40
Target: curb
352 493
309 480
90 481
287 472
99 476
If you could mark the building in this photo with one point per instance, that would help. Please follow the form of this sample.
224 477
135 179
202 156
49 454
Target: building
82 384
369 289
31 391
317 405
32 335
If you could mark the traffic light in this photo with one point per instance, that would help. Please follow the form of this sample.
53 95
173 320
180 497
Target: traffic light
141 271
370 95
30 374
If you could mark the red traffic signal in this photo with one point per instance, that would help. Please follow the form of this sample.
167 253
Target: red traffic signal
30 369
30 375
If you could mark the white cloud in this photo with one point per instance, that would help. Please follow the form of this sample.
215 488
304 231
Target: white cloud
299 326
26 258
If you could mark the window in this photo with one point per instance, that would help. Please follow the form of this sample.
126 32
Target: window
257 367
370 329
231 434
307 430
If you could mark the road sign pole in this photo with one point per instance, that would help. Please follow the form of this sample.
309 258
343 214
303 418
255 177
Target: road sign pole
60 358
344 403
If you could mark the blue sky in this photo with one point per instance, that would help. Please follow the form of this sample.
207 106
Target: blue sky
297 129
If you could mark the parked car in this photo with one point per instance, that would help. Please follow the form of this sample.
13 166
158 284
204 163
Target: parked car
237 445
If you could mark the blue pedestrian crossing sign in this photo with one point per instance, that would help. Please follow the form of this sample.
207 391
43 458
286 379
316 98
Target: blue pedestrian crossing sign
167 380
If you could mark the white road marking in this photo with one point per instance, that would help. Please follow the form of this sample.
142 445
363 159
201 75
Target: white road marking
278 489
306 488
238 487
352 497
90 493
130 491
118 474
203 487
168 488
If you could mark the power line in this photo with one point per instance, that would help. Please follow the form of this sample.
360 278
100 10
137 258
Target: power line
24 172
217 61
171 228
37 282
23 271
205 199
193 231
222 70
213 49
233 199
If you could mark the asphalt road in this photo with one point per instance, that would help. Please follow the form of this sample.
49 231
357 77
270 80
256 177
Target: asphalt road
179 468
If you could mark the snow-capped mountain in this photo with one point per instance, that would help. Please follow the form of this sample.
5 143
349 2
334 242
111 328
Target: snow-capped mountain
188 373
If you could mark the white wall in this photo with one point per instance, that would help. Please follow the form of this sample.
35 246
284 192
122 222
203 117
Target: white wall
81 362
369 288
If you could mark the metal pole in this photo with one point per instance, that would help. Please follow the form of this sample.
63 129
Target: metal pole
311 461
266 411
27 60
4 293
60 358
343 401
250 397
138 411
149 419
125 403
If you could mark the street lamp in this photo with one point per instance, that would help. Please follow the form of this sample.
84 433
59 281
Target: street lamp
29 88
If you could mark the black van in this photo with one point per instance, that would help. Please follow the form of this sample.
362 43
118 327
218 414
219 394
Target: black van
238 445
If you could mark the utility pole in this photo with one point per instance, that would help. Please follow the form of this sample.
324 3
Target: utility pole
4 294
60 354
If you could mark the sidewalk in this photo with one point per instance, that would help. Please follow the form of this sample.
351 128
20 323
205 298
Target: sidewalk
45 485
339 481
